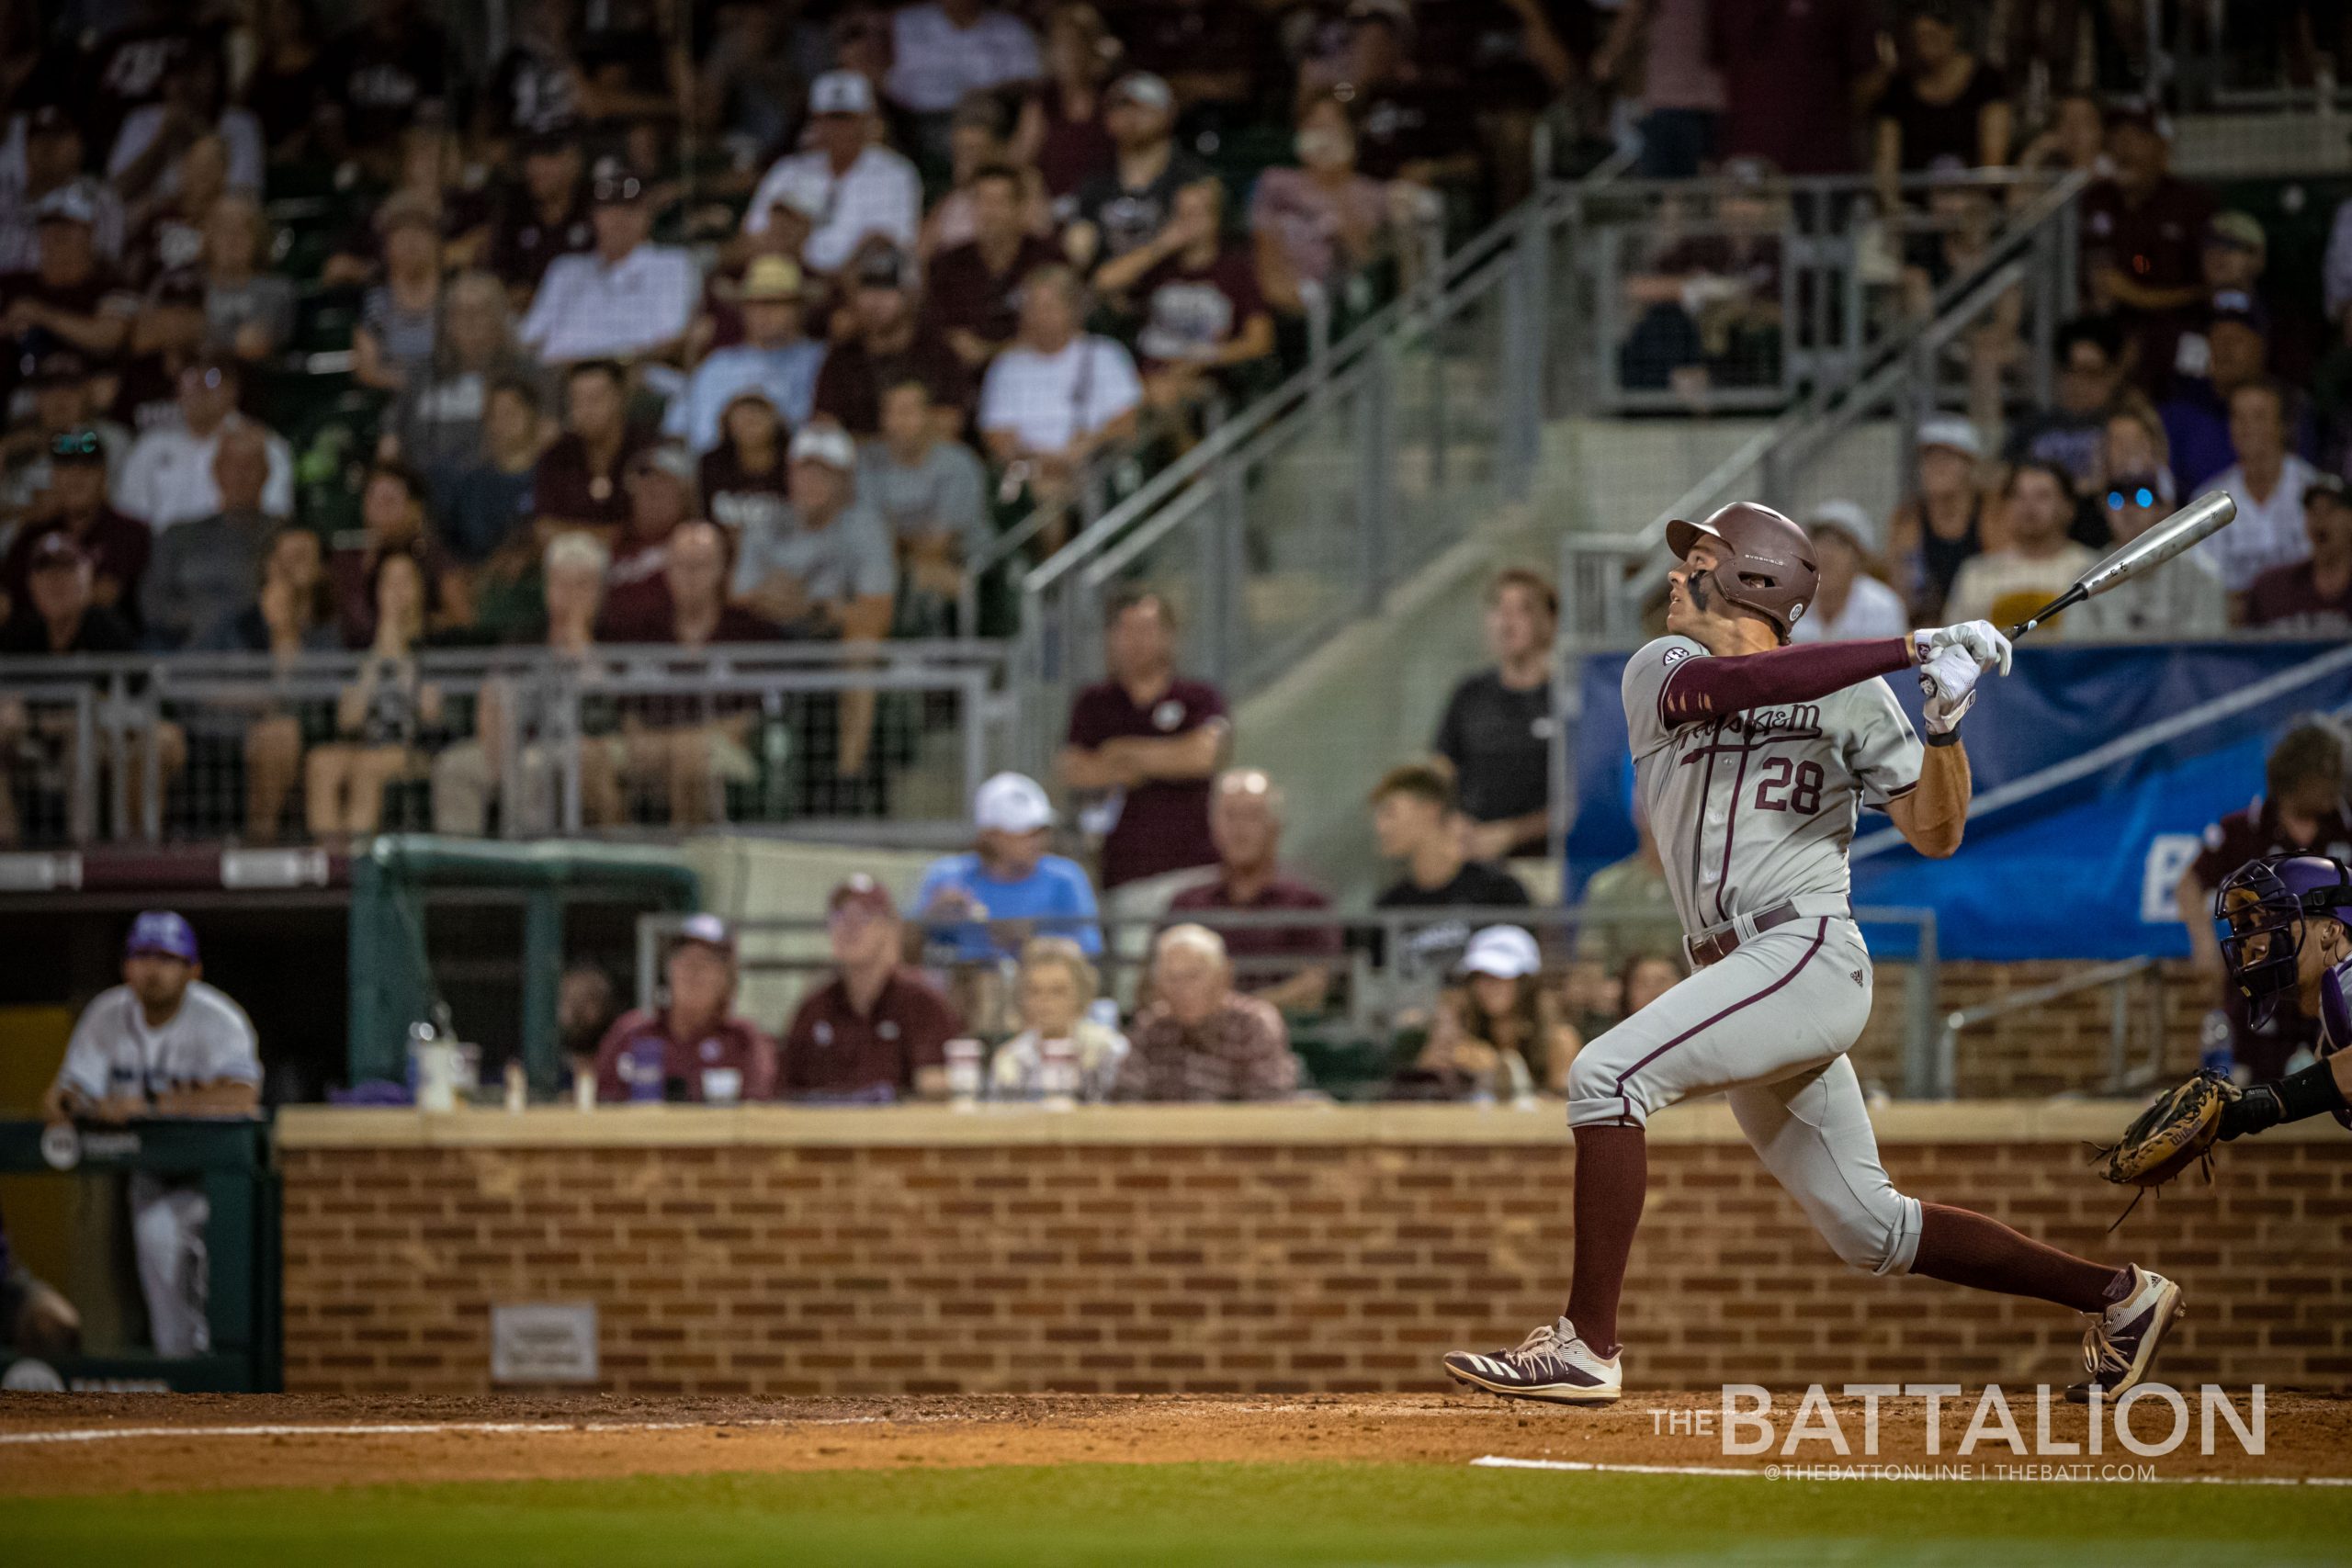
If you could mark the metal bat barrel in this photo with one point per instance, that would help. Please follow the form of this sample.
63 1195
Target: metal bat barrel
2193 524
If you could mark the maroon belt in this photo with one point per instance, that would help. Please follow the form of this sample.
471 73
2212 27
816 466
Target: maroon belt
1716 948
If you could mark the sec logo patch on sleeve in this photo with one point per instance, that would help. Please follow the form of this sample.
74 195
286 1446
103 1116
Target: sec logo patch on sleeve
1673 655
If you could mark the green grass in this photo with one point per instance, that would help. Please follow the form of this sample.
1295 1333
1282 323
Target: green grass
1180 1516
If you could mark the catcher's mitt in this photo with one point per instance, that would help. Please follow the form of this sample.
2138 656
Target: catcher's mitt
2169 1137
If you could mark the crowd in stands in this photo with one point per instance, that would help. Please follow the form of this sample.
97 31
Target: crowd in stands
981 244
1008 944
858 286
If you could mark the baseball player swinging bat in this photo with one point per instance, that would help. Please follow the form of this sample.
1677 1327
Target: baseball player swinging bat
2189 526
1754 758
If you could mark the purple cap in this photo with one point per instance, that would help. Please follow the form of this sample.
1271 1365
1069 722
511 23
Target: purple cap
160 931
2322 887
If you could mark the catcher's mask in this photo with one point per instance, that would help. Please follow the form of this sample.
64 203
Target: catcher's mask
2264 906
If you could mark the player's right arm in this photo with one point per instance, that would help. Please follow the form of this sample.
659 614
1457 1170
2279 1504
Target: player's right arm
1695 690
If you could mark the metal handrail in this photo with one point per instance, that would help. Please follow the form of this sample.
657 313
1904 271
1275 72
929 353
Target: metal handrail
186 668
2117 974
129 701
1830 409
1427 299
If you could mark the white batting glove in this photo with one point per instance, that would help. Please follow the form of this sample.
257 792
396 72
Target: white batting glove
1948 681
1983 644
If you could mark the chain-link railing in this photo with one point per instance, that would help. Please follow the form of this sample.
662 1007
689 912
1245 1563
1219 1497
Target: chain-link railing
1373 974
518 743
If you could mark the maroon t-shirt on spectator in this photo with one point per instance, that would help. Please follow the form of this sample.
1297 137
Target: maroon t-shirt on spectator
2254 833
648 617
963 294
849 386
1072 152
1245 945
522 244
834 1049
2157 243
1190 312
633 586
118 547
1162 825
348 575
564 488
2288 599
733 1044
1789 71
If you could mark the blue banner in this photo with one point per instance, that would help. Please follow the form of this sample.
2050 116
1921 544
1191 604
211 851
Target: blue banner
2079 866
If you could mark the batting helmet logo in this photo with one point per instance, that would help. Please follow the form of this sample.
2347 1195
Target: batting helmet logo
1764 562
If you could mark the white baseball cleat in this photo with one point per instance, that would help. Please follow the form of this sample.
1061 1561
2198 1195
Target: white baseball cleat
1551 1365
2120 1344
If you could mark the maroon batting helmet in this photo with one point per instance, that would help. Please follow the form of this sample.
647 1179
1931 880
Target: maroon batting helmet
1766 563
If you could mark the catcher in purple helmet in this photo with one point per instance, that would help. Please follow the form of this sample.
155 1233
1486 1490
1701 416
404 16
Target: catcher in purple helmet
2287 932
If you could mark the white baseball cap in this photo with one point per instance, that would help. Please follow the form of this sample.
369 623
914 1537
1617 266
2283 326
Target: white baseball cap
823 444
1012 803
1505 952
1849 518
840 92
1950 430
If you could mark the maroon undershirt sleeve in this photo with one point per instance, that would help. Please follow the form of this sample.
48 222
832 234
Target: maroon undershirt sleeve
1702 688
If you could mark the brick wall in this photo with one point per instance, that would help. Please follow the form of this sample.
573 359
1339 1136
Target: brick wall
777 1267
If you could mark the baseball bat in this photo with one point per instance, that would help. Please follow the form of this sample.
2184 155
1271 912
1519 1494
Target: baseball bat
2193 524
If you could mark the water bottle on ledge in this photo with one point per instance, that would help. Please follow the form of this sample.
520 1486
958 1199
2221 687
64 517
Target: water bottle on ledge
963 1073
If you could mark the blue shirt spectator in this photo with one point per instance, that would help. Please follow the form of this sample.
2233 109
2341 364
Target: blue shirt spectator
984 904
773 357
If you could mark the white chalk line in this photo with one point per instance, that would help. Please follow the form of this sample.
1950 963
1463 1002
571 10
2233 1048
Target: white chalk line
426 1429
1501 1462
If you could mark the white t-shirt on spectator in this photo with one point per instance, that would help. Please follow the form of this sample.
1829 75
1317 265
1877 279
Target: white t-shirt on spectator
113 1050
878 194
1872 610
2336 269
167 478
935 62
2267 533
588 310
1051 399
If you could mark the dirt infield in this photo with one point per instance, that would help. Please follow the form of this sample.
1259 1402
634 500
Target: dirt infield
61 1444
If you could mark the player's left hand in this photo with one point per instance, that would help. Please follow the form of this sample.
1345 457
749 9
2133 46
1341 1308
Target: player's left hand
1948 681
1982 639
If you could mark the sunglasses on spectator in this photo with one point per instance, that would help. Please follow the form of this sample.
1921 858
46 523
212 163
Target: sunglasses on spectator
75 443
2116 499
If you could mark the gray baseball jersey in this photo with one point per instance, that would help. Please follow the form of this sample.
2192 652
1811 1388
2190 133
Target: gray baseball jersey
114 1052
1750 808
